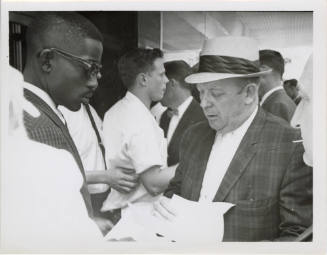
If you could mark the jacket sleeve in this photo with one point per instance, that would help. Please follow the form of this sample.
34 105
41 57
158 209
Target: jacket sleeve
295 200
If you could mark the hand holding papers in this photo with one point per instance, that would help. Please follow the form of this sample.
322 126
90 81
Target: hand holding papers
175 219
192 221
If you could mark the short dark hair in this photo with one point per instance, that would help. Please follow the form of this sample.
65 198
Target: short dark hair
291 82
178 70
272 59
135 62
72 27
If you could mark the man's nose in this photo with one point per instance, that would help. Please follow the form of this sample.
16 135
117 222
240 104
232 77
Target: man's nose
205 101
92 83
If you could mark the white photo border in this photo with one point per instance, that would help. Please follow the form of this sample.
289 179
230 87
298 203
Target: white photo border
318 245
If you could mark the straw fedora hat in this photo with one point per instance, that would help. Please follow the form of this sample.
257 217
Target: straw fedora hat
227 57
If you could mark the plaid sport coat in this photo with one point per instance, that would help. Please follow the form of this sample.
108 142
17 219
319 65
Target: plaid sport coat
49 129
266 179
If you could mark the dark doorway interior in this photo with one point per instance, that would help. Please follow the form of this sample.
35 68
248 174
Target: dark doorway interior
120 33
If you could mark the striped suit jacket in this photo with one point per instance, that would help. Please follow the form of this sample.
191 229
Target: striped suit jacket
267 180
49 129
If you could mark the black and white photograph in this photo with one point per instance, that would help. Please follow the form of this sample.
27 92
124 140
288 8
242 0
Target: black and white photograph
170 127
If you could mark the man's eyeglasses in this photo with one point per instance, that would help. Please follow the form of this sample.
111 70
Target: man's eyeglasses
92 67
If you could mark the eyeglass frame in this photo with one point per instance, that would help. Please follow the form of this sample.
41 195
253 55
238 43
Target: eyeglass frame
87 63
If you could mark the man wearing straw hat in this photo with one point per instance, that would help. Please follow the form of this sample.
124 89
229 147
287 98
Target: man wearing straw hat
244 155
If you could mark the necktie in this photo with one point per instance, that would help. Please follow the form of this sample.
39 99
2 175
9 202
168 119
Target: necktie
165 119
171 112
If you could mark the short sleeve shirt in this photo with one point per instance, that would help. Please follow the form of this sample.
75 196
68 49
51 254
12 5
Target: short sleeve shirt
134 140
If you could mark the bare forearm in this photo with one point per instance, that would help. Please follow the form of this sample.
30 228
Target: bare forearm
156 180
120 179
164 176
94 177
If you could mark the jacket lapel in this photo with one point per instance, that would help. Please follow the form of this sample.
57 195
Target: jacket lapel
46 109
245 152
183 123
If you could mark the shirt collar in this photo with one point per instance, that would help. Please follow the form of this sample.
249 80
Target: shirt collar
45 97
183 106
131 97
264 98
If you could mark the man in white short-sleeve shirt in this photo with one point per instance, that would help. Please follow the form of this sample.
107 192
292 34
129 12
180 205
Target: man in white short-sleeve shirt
132 137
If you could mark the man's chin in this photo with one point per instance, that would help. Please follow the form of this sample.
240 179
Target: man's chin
164 104
216 125
213 125
158 99
74 108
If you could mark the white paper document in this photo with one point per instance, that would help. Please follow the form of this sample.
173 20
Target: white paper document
193 221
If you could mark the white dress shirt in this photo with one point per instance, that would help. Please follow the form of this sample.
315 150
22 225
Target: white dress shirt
265 96
85 139
133 140
176 118
222 153
157 111
45 97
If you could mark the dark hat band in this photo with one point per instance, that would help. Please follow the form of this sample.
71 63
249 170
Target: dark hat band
224 64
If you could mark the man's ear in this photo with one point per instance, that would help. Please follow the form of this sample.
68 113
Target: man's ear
141 79
173 82
46 60
251 91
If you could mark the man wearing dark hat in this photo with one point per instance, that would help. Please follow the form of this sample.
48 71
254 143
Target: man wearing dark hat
274 98
244 155
183 110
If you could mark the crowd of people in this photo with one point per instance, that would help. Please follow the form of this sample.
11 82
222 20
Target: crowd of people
76 174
